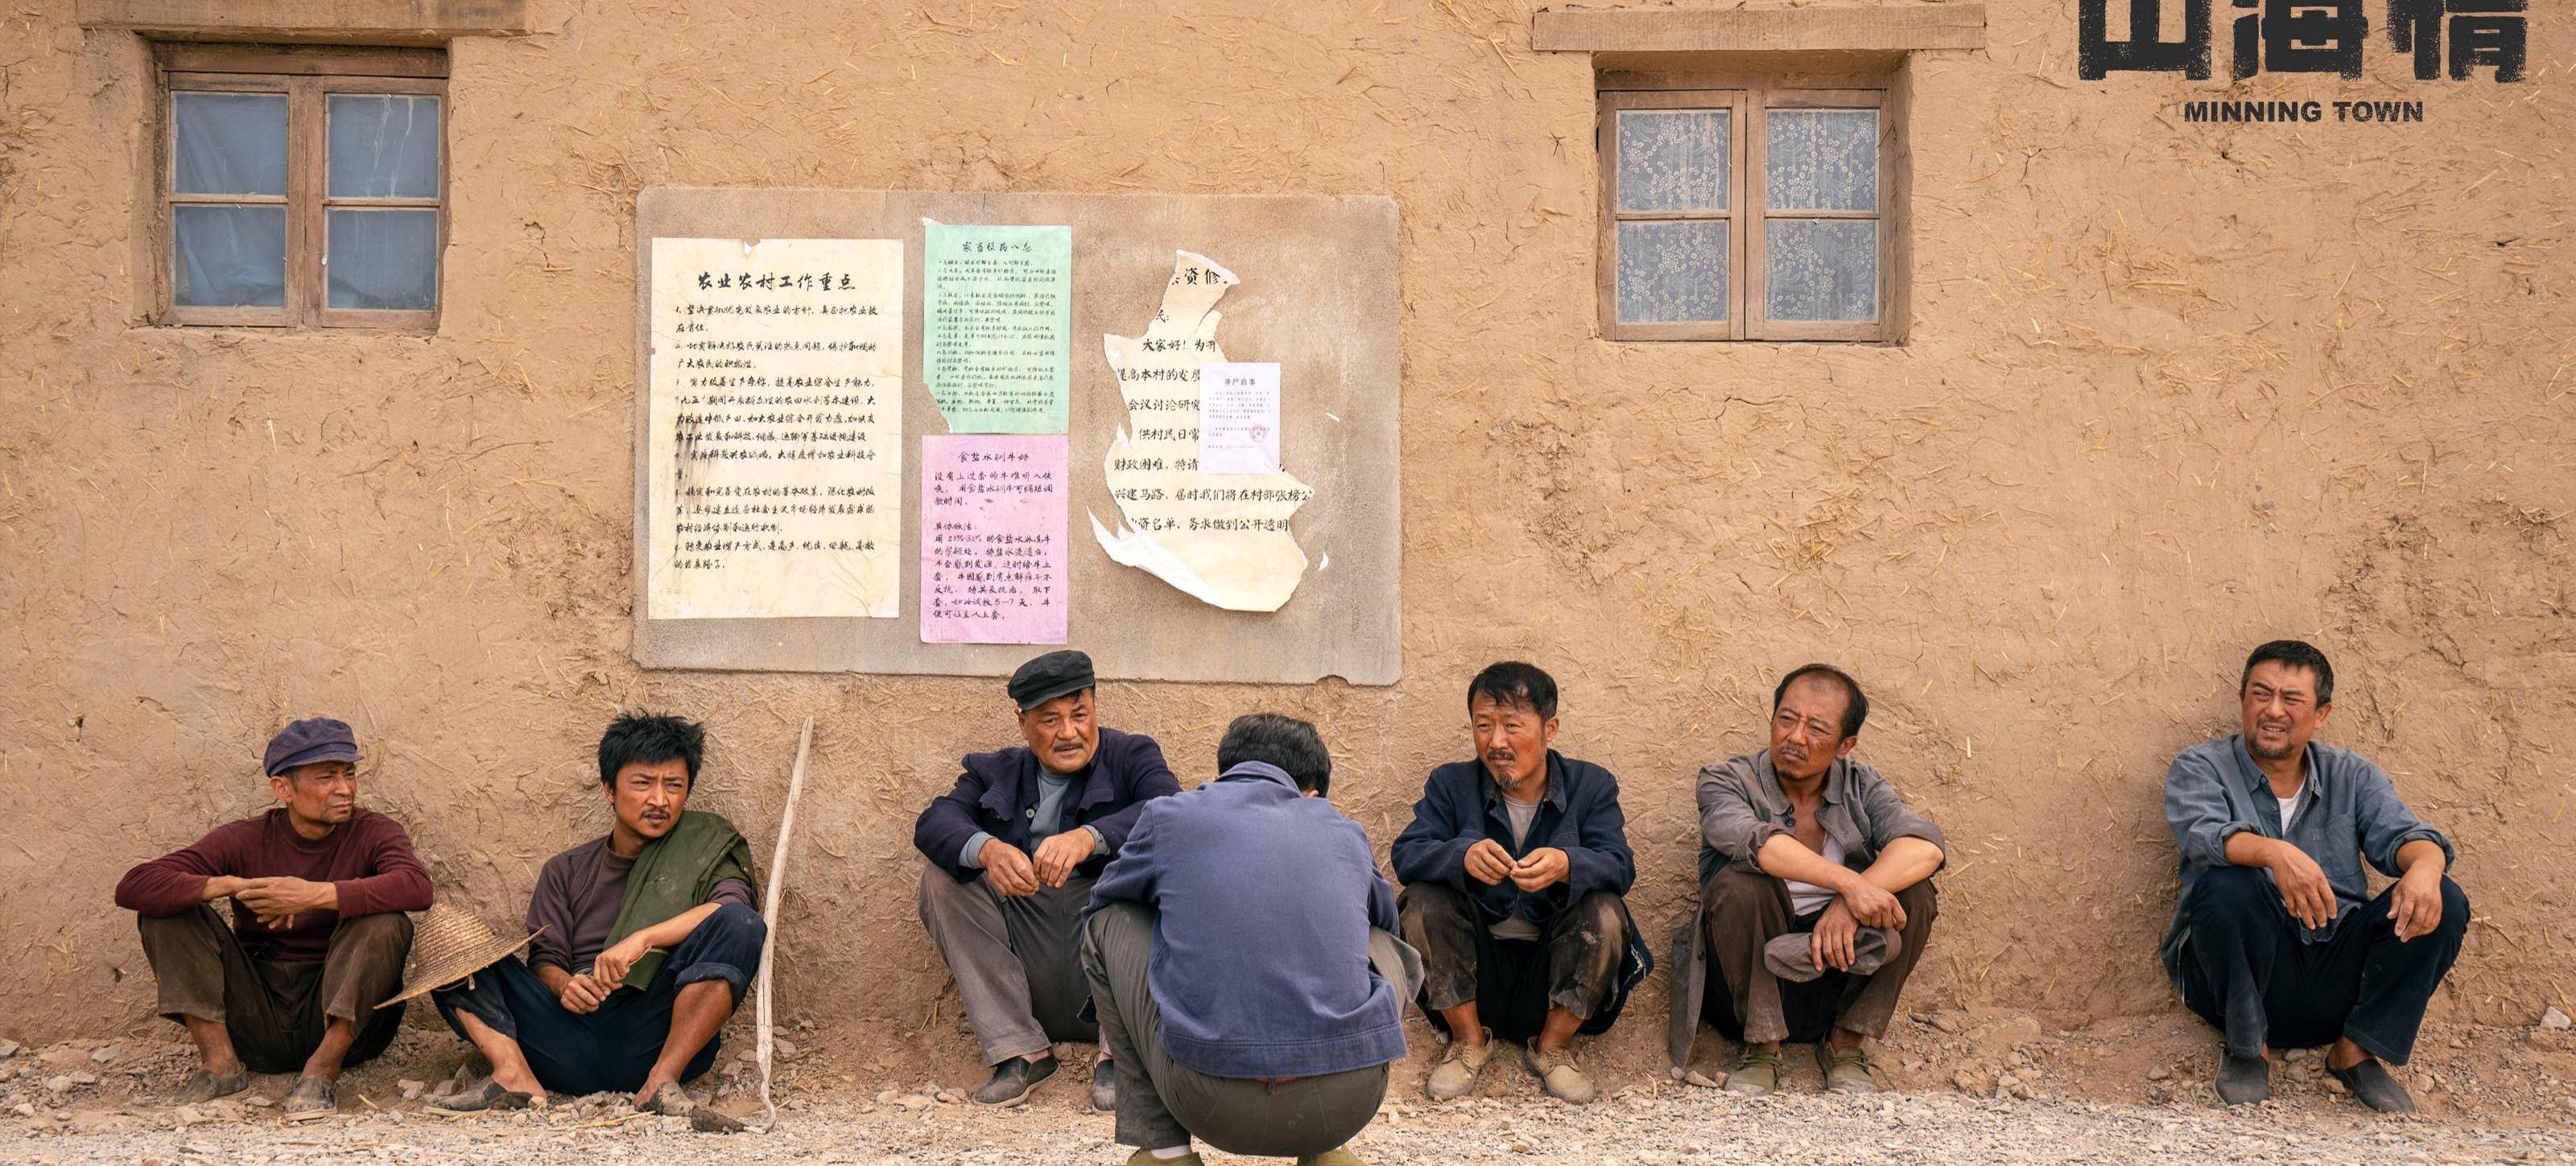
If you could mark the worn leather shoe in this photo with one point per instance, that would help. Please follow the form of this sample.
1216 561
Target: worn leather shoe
1013 1079
203 1087
1756 1074
672 1101
1846 1070
2371 1082
1147 1158
311 1098
1104 1085
2244 1080
1337 1156
486 1094
1455 1076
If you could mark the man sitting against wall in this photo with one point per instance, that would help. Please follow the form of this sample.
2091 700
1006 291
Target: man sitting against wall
317 936
646 940
1240 955
1514 870
1815 895
1012 853
2277 939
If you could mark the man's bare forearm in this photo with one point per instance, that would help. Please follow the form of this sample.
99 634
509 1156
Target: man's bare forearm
669 932
1784 857
1905 862
2420 851
2247 848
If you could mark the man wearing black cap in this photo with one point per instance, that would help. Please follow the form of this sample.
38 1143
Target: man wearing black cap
317 938
1012 852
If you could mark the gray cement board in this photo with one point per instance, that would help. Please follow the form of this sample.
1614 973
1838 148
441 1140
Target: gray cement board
1318 296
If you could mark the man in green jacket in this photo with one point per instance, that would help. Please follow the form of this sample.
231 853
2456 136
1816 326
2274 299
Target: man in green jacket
646 940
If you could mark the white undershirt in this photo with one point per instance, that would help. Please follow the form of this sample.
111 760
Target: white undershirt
2290 806
1808 898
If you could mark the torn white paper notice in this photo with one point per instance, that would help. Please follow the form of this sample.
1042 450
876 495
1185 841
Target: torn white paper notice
1238 418
1223 538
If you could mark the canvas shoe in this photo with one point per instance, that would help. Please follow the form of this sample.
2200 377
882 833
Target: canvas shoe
1564 1079
1455 1076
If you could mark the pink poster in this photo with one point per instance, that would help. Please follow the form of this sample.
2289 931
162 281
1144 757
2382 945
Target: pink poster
992 539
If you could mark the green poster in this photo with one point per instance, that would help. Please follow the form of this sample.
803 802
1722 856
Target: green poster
997 326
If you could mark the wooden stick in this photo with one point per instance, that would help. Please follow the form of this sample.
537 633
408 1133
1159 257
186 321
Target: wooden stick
769 946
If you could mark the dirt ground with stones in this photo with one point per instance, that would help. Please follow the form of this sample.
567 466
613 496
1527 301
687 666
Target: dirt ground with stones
2168 390
1978 1085
1657 1126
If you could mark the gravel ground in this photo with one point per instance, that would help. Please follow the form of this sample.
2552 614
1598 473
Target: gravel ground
1677 1125
1980 1085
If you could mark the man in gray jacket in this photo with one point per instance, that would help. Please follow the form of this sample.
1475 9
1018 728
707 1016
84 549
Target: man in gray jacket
1815 897
2276 939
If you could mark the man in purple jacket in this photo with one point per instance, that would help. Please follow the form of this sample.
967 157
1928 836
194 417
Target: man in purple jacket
1012 853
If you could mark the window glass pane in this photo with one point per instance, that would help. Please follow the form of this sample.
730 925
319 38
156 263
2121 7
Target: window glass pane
1821 160
1673 159
1672 272
228 256
383 259
384 145
1821 269
228 143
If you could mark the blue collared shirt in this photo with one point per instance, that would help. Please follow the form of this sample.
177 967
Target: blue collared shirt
2347 811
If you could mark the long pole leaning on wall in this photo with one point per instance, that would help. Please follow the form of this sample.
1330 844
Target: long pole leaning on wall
769 911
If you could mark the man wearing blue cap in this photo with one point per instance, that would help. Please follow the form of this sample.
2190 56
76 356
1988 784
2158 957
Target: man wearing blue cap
1012 852
317 937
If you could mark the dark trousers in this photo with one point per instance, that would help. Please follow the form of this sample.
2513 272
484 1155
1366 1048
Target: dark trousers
1162 1102
1573 965
613 1047
1017 960
276 1011
2245 970
1745 911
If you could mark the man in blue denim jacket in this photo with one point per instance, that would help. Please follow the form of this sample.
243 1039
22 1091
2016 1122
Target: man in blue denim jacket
2276 939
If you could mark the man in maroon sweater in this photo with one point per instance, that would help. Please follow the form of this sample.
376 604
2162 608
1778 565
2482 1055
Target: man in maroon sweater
317 936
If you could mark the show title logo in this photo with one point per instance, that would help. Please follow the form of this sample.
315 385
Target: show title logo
2457 38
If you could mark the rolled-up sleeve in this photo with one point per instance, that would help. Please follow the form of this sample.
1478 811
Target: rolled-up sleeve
1890 819
1727 821
2196 808
2387 825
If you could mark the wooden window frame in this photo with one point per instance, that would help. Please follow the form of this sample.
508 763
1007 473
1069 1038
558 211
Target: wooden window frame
306 77
1750 98
1607 132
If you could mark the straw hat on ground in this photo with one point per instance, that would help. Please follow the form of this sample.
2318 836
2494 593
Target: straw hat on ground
451 944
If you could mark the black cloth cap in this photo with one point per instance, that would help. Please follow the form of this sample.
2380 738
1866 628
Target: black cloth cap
1050 676
309 740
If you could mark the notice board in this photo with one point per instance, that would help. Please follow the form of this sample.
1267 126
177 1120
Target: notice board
782 471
